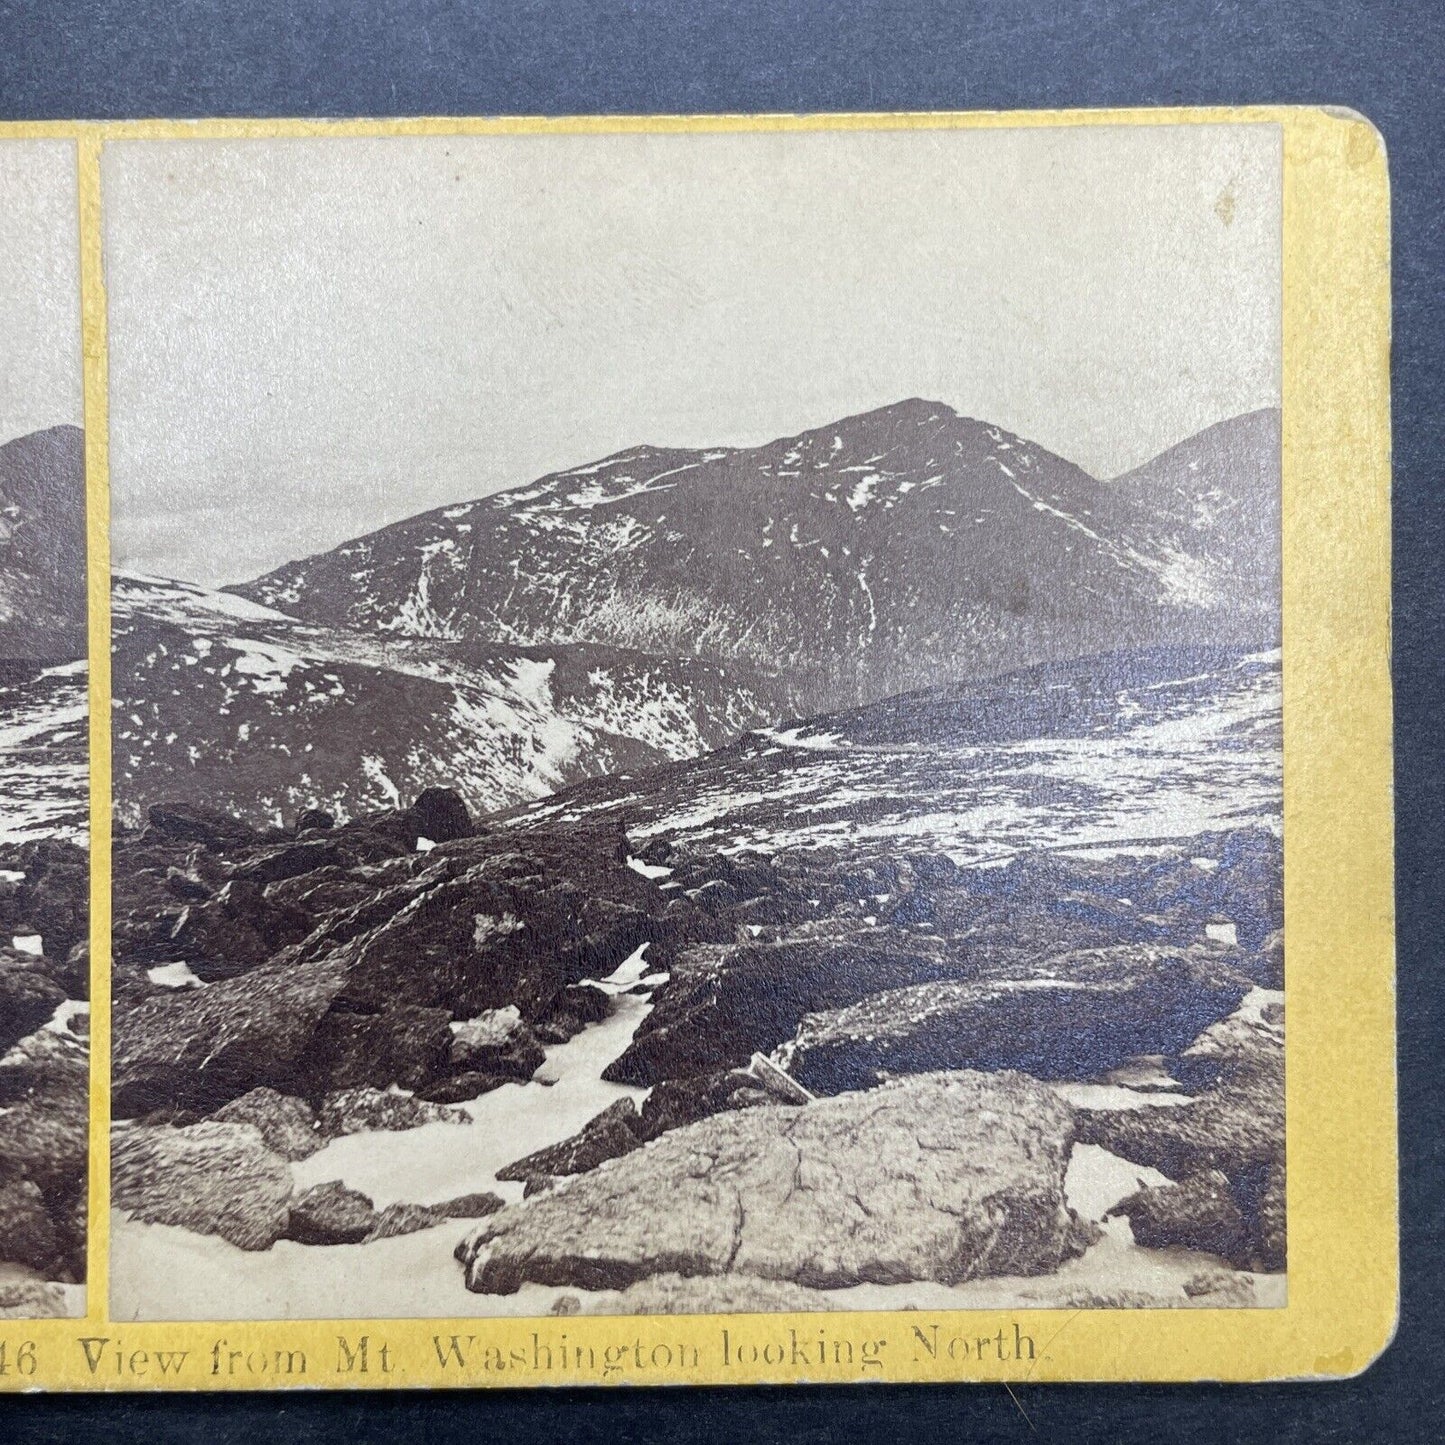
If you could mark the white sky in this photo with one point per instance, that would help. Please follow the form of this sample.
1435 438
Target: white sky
312 338
40 381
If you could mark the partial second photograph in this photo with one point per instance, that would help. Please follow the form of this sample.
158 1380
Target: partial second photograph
696 723
44 733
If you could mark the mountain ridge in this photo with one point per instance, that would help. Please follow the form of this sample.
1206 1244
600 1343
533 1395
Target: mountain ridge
43 546
854 560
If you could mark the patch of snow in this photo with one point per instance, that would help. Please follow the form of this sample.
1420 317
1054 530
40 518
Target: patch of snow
862 492
268 663
174 975
60 1021
648 870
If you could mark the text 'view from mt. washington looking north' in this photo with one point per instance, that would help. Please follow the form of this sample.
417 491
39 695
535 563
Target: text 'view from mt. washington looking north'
830 860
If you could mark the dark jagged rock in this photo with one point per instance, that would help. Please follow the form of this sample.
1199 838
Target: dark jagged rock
1235 1126
469 1206
402 1045
186 886
1073 1017
54 900
203 1047
577 1006
945 1177
330 1213
288 860
27 998
1199 1212
323 891
190 822
239 929
675 1102
458 1088
611 1133
398 1219
314 819
441 815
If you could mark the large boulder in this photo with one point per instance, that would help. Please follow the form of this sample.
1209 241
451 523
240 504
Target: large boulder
723 1003
1074 1016
45 1128
210 1178
459 1088
944 1177
199 1048
441 815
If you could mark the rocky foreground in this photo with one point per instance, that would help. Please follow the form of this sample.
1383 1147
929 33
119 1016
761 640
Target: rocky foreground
44 1074
860 1067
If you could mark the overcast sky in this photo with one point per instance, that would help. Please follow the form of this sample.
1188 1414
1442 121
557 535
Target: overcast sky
311 338
40 382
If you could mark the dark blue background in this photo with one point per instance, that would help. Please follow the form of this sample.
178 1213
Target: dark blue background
268 57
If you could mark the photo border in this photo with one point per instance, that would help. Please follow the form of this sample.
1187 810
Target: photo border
1342 1191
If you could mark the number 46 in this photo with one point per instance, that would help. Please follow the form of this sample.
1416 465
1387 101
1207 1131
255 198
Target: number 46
23 1360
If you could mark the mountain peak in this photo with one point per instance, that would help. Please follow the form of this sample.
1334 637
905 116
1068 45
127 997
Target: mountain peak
910 411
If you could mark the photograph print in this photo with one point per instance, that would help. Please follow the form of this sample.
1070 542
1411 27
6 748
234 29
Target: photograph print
696 722
44 752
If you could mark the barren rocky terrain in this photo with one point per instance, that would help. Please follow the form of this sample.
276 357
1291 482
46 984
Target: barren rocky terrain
921 999
44 876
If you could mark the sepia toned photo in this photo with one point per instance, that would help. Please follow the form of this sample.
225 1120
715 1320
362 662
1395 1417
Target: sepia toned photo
696 724
44 712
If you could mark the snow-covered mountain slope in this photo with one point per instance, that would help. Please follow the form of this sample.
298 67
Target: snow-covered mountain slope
859 560
221 700
44 781
42 546
1123 752
1213 504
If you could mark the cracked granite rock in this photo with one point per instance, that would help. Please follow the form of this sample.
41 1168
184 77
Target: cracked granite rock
943 1177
